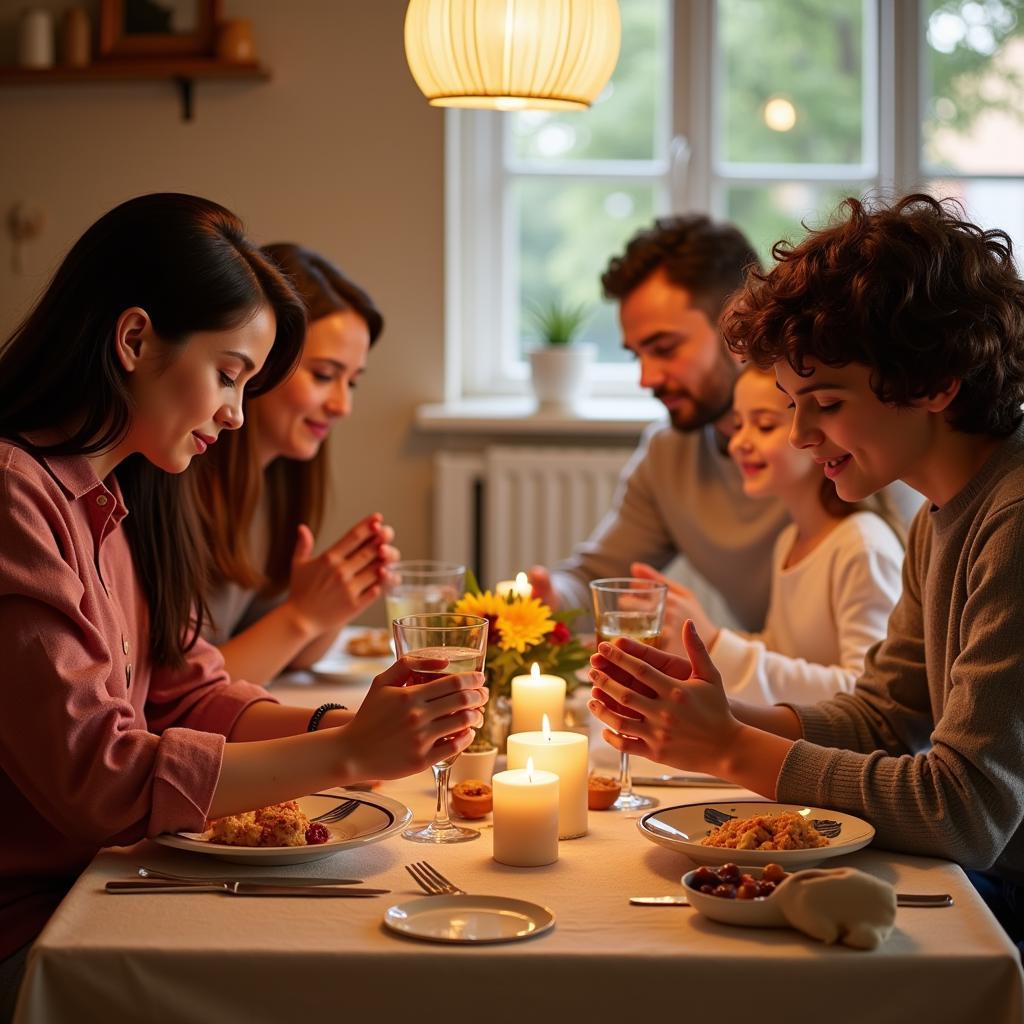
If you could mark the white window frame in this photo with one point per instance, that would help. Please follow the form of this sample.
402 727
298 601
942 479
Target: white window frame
480 274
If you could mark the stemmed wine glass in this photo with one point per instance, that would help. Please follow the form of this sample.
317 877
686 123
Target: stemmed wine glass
627 606
462 639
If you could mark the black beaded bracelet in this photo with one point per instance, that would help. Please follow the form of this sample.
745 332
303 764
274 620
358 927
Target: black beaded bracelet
317 716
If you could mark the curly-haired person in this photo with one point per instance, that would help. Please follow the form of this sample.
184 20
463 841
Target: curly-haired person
897 333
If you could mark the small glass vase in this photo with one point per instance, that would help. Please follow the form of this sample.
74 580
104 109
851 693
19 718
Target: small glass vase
498 722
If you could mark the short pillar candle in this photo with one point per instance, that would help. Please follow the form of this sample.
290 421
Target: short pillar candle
535 696
525 817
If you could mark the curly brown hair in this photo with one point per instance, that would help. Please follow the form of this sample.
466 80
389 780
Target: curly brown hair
708 259
913 291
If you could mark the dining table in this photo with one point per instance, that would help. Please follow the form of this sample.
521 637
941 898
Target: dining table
214 957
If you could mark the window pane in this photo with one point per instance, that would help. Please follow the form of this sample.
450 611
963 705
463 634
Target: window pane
624 122
974 109
990 204
792 87
566 232
767 214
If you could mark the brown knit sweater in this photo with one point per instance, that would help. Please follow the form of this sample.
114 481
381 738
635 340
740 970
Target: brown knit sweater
930 745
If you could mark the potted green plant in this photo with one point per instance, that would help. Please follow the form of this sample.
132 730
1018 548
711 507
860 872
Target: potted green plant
558 367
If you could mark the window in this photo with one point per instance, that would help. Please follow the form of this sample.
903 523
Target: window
763 112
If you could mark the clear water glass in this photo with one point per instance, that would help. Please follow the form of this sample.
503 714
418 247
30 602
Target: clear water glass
627 606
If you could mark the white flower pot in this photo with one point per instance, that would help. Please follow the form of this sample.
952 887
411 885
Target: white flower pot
473 764
558 374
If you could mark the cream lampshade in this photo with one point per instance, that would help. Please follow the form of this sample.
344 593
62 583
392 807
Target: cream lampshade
512 54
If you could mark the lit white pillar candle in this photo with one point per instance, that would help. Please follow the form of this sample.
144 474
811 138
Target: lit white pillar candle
525 817
519 587
565 754
535 696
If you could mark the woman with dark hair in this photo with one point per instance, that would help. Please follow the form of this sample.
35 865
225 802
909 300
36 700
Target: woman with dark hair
113 710
260 496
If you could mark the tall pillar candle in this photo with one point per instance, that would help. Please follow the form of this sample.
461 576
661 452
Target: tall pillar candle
525 817
565 754
535 696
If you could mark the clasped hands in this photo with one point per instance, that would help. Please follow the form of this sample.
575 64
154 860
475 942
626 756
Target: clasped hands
667 707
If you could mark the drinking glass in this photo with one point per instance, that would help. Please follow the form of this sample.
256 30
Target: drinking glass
631 607
462 639
416 587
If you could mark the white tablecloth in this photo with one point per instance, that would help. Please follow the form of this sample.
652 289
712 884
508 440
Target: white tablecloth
217 958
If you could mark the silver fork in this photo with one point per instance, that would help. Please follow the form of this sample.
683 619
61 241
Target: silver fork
826 826
431 881
339 813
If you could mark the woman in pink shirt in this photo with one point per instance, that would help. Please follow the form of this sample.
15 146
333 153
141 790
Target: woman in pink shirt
113 710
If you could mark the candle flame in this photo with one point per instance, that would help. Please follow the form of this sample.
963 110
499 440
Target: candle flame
523 588
535 670
545 727
529 769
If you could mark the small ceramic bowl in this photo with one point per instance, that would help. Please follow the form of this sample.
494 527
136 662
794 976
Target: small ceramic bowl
762 912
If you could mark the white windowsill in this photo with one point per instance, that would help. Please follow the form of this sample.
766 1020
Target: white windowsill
608 417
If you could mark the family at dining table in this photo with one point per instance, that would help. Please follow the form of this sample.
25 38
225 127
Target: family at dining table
149 581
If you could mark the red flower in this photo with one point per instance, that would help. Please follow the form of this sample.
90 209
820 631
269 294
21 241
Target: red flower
560 634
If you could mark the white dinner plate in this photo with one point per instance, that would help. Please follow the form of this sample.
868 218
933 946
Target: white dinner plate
466 919
378 817
682 828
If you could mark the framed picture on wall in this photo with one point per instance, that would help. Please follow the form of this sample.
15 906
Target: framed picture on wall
158 28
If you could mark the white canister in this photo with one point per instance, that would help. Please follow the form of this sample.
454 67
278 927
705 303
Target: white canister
35 38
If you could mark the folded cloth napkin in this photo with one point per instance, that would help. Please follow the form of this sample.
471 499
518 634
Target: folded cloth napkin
839 905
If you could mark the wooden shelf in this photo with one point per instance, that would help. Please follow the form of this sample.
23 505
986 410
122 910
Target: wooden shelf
182 71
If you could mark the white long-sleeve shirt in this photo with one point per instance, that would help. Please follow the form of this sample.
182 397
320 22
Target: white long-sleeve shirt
823 615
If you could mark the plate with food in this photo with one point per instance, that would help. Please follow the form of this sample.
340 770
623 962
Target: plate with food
288 833
357 655
755 833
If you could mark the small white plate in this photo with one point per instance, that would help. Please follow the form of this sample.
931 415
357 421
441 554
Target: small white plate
339 665
465 919
682 828
378 817
762 912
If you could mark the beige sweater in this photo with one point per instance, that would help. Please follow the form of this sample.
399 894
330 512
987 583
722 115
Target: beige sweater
930 745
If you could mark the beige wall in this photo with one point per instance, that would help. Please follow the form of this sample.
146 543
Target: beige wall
339 151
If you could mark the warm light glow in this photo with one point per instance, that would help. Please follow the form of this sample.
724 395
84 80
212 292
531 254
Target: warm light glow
512 54
779 114
529 769
523 588
545 727
535 673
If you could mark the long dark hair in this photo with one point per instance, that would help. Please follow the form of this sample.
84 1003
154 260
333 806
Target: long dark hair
229 484
187 263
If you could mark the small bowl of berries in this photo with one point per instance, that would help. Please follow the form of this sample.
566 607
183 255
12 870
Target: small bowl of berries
737 895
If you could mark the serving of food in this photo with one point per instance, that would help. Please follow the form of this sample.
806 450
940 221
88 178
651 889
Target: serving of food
279 825
785 831
602 792
737 895
760 833
374 643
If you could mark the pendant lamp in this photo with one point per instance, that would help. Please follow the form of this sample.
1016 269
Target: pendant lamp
512 54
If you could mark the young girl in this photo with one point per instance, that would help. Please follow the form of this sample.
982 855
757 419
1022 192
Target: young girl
113 712
835 568
261 492
898 335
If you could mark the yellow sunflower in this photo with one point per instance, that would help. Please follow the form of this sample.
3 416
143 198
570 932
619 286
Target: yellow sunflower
486 605
523 624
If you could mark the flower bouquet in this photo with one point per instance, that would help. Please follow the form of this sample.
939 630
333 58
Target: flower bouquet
521 631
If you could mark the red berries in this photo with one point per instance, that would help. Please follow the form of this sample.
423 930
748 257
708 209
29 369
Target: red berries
317 833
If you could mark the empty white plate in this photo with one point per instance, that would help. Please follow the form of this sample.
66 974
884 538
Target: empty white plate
469 919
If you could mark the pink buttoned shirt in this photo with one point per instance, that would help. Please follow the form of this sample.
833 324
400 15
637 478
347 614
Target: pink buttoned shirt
98 746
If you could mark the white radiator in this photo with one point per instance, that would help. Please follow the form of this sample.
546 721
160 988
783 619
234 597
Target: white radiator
506 508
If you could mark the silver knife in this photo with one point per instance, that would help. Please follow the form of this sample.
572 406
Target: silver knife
903 899
240 888
680 780
163 878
